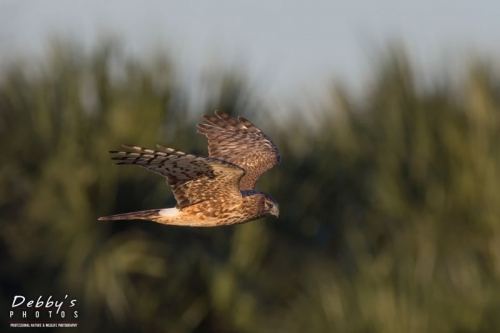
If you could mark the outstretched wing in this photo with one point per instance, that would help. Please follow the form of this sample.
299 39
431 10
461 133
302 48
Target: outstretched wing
193 178
242 143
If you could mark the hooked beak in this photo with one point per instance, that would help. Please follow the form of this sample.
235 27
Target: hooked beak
275 211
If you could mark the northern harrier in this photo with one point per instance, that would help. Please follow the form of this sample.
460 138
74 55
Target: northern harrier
215 190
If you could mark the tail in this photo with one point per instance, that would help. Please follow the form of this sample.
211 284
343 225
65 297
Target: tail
152 215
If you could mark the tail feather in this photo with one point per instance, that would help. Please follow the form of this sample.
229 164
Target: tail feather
151 214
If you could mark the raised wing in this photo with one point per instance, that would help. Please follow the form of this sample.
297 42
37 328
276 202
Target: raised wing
193 178
242 143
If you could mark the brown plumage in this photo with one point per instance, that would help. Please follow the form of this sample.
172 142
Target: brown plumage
242 143
215 190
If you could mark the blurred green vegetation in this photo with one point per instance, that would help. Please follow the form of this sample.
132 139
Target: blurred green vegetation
389 207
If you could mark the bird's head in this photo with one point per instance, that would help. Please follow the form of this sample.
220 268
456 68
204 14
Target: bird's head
271 206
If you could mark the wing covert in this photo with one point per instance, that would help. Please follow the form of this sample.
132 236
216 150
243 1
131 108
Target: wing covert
193 178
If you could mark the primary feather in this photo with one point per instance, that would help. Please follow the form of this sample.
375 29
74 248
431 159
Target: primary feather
242 143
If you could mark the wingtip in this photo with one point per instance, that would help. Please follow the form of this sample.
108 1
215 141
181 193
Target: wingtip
242 119
206 117
202 127
128 146
221 115
168 150
161 147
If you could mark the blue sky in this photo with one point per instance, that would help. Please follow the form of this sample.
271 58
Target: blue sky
287 46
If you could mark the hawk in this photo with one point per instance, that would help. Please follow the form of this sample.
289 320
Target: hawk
210 191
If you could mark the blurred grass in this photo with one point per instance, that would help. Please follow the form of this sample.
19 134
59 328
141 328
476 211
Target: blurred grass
389 207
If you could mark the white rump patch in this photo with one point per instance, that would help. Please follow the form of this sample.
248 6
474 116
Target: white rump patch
169 212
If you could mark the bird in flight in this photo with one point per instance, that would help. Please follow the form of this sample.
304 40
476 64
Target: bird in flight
210 191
